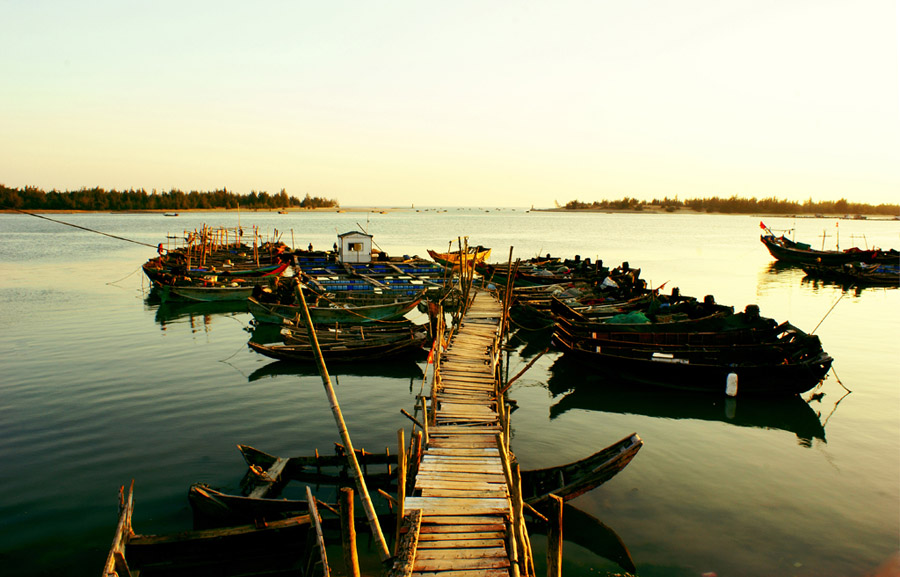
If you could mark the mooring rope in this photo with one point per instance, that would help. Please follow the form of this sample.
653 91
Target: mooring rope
84 228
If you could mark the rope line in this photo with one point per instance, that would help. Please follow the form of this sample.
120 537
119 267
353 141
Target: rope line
84 228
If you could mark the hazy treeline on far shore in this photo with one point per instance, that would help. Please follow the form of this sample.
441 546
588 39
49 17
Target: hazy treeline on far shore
32 198
735 205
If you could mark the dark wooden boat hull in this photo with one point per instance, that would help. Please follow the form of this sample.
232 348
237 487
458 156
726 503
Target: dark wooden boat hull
857 274
340 352
789 251
566 481
772 379
574 479
352 314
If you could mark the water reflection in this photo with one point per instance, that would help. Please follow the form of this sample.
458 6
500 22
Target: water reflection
589 532
780 274
790 413
395 368
198 314
817 284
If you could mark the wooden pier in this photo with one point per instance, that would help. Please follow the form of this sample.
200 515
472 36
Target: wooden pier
464 516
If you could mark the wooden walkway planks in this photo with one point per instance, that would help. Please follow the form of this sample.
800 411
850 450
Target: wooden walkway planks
460 487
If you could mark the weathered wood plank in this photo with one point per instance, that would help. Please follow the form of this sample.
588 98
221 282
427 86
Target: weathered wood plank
474 573
450 564
460 554
457 507
432 483
459 543
442 531
475 465
476 533
464 493
460 459
494 452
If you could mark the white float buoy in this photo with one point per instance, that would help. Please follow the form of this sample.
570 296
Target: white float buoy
731 384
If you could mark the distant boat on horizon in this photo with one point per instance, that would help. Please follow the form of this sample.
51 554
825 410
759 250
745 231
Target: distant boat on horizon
170 214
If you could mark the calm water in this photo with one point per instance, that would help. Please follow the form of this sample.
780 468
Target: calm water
98 387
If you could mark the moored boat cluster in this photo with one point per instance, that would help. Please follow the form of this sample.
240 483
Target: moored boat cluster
358 303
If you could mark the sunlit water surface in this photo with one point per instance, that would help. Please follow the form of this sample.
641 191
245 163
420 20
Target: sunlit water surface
99 386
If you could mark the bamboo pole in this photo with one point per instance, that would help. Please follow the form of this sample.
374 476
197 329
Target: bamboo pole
348 532
513 545
523 530
320 539
401 484
555 536
424 418
345 435
522 372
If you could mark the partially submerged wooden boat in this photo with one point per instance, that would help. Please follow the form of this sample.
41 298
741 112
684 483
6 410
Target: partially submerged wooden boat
267 474
273 547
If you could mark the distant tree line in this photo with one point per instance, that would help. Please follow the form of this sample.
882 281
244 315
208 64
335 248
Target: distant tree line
735 205
32 198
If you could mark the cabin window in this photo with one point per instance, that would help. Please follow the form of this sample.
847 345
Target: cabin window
356 246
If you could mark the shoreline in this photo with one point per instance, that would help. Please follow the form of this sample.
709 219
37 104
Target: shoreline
390 209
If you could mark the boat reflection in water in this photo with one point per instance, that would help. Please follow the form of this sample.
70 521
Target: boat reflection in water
199 314
788 413
394 368
589 532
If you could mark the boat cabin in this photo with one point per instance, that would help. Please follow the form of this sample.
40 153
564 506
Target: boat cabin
355 247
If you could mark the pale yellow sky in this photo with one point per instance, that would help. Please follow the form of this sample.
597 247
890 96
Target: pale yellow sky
455 103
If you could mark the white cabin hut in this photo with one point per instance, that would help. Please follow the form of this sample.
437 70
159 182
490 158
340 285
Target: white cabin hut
355 247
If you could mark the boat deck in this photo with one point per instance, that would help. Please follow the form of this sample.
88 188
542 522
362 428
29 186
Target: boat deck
461 488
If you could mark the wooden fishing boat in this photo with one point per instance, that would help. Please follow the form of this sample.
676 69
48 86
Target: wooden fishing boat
384 307
786 250
574 479
372 332
604 394
765 371
212 292
683 317
732 335
451 259
277 546
267 474
857 273
344 351
157 270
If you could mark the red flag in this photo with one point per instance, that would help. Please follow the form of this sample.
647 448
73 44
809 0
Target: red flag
762 226
431 353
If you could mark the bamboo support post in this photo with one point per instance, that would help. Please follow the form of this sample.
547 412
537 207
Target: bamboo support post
320 539
513 547
425 418
401 484
555 536
366 500
528 552
348 532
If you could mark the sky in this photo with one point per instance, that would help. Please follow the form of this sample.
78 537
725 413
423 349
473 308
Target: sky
455 103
